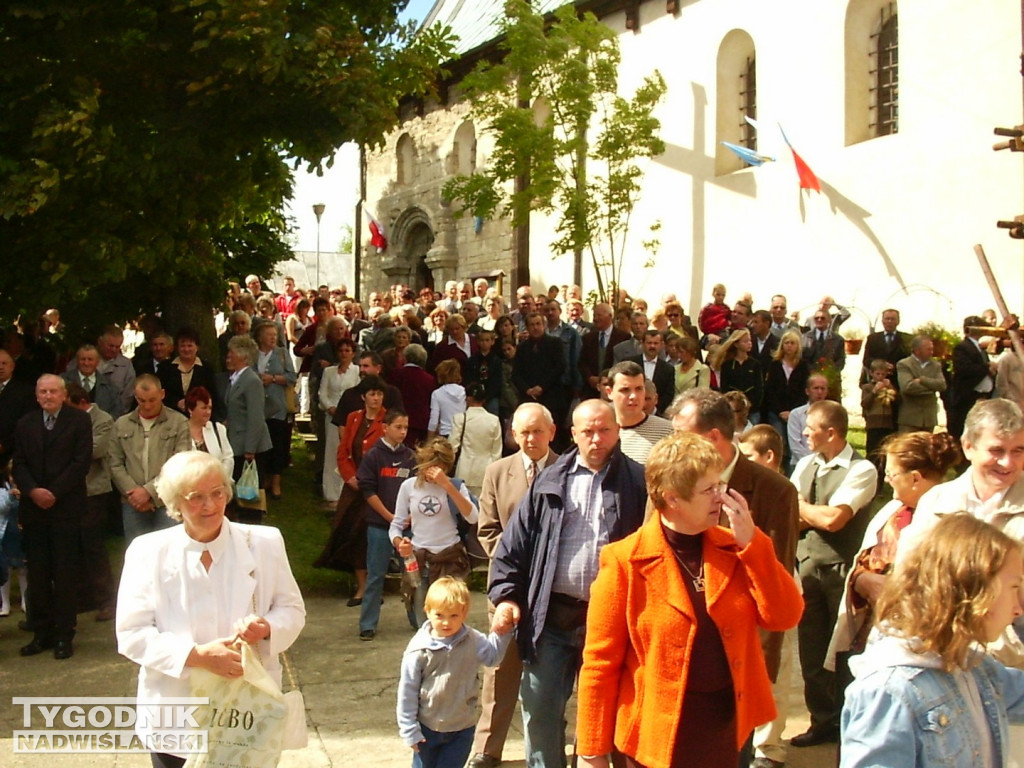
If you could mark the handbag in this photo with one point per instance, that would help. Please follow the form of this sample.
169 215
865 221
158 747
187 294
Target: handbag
245 719
248 486
291 401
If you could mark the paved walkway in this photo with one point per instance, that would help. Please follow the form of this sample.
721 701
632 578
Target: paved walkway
349 688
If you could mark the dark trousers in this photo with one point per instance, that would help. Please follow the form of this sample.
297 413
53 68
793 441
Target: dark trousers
52 551
96 588
498 696
823 592
281 439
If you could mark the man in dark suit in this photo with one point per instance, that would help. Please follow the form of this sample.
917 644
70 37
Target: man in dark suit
52 456
887 344
16 399
656 370
973 376
506 482
821 343
596 350
537 372
764 344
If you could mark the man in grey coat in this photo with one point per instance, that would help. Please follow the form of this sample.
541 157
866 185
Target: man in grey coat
143 440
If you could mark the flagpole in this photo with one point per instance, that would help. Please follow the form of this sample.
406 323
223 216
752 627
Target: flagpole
318 211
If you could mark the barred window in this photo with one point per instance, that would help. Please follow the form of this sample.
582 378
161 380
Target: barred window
886 89
748 103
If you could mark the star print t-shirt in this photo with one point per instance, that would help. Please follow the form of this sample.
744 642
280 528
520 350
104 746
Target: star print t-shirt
430 512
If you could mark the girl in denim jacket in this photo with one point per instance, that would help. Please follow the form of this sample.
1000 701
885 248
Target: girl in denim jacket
925 694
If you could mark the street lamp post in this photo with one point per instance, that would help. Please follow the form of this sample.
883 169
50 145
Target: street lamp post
318 210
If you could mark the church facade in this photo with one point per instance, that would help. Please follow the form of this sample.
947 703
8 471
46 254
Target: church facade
892 104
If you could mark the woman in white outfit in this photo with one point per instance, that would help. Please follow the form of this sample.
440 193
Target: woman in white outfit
476 439
189 591
333 383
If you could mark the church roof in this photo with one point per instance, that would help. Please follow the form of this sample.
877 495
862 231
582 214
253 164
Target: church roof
476 22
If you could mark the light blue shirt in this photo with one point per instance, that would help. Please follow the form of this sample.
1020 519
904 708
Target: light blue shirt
584 532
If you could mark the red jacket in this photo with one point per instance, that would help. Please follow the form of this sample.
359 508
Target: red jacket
346 466
640 630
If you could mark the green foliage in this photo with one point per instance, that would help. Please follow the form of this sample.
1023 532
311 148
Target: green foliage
556 84
146 145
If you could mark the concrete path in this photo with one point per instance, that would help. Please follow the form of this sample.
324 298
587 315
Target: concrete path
349 688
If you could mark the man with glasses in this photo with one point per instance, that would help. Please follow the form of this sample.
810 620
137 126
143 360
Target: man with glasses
835 483
821 343
780 320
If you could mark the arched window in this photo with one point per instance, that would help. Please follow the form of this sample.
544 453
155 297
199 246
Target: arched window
406 155
464 149
736 99
887 73
872 69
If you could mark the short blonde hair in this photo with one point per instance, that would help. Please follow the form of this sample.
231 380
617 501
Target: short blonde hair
676 463
447 592
939 594
448 372
180 475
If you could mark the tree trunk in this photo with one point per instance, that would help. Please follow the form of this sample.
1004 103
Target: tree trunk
187 306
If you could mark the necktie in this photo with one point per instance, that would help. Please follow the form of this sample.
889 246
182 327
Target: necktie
206 559
604 339
49 421
87 384
821 336
888 339
531 472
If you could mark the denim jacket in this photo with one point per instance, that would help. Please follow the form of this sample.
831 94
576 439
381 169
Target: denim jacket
904 710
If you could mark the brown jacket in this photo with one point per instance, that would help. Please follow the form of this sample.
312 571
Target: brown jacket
504 487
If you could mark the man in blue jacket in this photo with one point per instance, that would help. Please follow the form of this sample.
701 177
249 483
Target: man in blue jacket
548 558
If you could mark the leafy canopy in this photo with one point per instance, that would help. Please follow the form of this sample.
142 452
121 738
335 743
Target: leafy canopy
146 145
560 126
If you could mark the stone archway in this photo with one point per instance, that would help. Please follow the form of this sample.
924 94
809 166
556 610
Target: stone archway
417 257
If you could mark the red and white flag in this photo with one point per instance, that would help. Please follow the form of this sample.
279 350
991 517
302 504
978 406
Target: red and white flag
378 239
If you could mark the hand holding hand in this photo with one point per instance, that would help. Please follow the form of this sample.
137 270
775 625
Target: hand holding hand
736 509
139 498
42 498
506 616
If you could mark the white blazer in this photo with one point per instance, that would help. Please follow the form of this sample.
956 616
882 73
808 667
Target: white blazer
220 450
155 627
481 445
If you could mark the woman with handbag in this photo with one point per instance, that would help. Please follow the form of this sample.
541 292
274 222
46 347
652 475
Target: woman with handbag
189 592
346 548
278 375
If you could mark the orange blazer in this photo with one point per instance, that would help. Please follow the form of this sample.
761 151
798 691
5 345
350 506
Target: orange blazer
346 466
640 631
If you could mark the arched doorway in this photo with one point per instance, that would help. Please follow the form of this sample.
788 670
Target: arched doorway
418 242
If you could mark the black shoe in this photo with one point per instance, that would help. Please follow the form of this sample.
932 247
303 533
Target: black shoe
63 650
354 601
812 737
37 646
25 626
367 634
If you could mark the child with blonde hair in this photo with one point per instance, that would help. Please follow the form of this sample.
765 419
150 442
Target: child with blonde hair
925 693
432 502
439 684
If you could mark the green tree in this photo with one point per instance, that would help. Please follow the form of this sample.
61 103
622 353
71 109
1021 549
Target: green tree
146 145
583 159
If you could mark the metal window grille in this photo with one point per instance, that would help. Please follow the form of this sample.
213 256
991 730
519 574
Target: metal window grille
886 90
748 104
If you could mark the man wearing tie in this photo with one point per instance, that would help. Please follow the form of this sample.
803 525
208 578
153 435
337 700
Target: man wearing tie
835 483
820 343
506 482
596 350
97 386
780 322
52 456
973 376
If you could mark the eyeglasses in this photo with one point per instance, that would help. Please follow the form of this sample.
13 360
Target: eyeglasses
718 489
673 314
197 500
889 475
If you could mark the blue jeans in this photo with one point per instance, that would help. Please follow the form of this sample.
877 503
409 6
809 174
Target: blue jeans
378 554
137 523
545 688
443 749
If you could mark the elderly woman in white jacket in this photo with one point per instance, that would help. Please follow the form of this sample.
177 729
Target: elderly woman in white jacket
476 439
189 591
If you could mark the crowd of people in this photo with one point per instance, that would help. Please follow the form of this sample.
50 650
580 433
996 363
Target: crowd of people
667 508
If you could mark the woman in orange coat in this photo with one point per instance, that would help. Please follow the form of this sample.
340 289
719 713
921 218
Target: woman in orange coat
346 547
673 672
